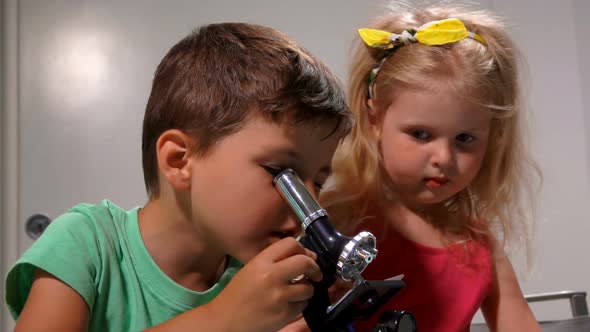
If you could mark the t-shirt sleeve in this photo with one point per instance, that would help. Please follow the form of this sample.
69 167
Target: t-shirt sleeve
69 250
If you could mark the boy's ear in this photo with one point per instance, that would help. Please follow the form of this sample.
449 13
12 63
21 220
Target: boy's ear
173 152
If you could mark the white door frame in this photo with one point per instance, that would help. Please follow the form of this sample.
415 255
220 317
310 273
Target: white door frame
9 157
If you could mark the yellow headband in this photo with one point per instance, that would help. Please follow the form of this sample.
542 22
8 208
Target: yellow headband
441 32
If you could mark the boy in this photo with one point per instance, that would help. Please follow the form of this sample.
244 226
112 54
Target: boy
230 104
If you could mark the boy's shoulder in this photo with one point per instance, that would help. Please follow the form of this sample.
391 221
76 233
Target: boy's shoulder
103 226
103 218
75 248
101 212
104 209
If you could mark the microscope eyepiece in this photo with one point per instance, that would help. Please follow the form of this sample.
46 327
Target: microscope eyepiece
350 255
296 195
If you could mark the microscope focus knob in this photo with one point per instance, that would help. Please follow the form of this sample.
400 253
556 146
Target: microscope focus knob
359 252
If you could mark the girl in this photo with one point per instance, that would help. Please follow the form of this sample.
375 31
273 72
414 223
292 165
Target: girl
435 165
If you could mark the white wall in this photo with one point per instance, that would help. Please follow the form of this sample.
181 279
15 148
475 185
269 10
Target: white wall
50 88
8 146
552 37
581 10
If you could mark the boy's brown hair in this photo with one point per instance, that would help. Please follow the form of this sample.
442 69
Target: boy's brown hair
214 78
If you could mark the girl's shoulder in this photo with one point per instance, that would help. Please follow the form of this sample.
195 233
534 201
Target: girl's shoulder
474 242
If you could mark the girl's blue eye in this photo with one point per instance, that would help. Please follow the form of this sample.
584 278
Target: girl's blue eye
465 138
420 134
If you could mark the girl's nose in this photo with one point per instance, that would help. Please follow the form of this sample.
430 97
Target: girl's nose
443 155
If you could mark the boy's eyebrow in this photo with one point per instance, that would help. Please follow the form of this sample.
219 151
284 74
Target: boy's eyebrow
296 157
292 154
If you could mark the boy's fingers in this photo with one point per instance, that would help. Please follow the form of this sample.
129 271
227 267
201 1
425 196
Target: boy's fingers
297 326
282 249
311 254
297 307
293 267
299 292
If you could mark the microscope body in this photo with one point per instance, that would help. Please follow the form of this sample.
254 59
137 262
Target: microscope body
341 257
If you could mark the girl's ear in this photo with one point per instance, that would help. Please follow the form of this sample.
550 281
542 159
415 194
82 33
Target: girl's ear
174 162
374 118
372 113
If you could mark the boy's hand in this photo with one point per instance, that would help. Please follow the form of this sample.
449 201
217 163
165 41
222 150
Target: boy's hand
261 297
297 326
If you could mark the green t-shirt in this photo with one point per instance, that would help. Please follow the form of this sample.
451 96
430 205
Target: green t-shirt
98 251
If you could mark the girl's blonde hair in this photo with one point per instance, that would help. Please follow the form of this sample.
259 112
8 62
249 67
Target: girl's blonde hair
501 193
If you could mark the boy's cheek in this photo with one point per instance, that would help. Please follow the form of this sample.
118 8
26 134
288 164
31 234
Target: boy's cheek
245 256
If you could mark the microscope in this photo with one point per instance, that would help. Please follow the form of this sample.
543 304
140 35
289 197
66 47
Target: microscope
341 257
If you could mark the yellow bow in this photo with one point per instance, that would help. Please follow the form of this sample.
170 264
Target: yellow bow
433 33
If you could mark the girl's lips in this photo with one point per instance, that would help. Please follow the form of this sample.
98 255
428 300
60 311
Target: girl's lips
436 182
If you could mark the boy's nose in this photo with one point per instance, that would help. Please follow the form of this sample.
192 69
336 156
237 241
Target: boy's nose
293 225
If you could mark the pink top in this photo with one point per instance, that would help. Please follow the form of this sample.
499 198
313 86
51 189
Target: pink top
444 286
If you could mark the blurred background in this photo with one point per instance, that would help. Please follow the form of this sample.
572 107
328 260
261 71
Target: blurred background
76 74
